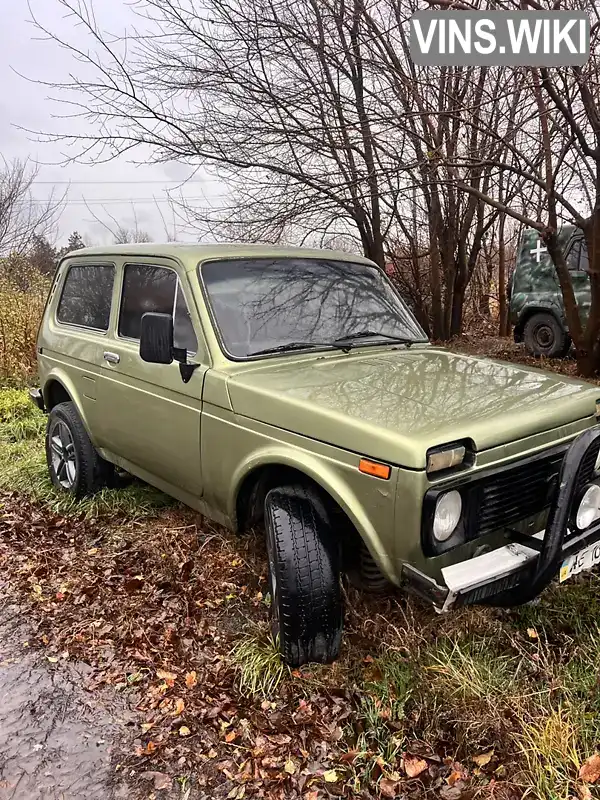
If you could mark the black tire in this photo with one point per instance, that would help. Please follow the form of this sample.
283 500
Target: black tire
545 336
90 472
304 576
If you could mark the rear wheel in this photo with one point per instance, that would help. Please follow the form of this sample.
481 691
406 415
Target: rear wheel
545 336
73 463
304 576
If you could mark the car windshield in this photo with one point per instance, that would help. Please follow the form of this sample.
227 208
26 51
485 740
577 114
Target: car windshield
272 304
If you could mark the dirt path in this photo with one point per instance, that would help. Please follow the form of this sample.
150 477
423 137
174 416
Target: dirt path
56 741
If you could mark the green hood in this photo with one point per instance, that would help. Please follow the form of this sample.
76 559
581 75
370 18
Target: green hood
394 404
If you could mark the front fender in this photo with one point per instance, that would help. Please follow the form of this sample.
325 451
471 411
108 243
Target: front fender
335 478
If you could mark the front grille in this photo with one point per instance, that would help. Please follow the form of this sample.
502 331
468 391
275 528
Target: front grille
526 489
518 492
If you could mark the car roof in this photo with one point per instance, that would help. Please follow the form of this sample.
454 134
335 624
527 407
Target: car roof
191 254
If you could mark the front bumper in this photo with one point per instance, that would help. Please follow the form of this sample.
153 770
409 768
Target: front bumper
519 571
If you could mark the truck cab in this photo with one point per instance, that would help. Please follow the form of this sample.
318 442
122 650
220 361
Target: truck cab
536 304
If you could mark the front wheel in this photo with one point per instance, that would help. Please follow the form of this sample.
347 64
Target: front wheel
304 576
73 463
545 336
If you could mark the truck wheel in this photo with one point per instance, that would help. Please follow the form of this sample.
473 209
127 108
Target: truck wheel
73 463
304 576
545 336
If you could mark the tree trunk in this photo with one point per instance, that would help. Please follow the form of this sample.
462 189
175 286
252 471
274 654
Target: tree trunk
502 296
435 263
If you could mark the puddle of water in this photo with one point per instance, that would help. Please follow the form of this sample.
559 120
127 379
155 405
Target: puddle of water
56 740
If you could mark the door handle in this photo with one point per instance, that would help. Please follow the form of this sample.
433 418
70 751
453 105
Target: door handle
112 358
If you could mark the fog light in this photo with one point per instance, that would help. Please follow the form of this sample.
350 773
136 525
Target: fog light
447 515
589 507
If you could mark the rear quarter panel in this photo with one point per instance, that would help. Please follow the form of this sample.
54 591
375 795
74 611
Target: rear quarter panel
70 355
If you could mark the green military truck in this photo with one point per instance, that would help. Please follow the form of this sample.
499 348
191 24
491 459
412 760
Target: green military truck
536 303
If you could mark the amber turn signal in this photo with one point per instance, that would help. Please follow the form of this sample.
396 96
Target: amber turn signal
375 469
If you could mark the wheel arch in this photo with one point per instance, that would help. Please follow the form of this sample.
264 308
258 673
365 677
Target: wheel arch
60 388
539 308
274 468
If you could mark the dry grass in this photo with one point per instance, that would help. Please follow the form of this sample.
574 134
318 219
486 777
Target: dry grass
23 293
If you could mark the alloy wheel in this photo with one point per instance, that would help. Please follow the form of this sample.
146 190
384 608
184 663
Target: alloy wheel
62 452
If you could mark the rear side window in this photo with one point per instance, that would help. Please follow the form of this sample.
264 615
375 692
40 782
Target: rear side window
147 288
86 297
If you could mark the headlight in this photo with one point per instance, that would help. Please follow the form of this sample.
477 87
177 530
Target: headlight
589 507
444 458
447 515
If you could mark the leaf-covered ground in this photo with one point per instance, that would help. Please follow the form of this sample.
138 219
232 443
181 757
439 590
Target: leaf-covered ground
171 612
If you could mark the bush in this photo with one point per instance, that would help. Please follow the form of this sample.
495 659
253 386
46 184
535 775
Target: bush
23 293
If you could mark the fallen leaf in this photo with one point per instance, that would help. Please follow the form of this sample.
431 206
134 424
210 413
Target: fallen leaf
484 758
414 766
349 757
190 679
590 769
452 792
330 776
312 795
92 551
132 585
179 707
161 779
454 777
388 787
290 767
532 633
52 659
184 731
231 736
168 677
583 792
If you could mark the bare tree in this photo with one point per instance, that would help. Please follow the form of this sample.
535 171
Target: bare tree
553 158
22 217
131 235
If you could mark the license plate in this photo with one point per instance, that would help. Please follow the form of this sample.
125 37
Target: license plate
579 562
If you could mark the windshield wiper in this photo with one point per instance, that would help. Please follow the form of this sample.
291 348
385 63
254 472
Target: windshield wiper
341 343
283 348
368 333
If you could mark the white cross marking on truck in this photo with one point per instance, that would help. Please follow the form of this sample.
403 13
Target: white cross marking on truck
538 250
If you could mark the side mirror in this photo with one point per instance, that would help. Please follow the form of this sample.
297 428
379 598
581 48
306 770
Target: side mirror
156 338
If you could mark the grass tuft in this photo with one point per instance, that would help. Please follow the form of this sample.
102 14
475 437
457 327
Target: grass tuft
473 670
258 664
551 750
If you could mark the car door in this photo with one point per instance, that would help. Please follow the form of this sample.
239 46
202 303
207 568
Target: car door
151 419
577 261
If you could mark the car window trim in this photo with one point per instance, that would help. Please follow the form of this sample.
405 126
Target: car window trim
177 285
325 349
62 282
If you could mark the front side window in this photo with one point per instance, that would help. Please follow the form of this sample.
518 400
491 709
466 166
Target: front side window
86 297
148 288
265 303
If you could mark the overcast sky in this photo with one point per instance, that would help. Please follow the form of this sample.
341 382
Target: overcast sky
108 188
